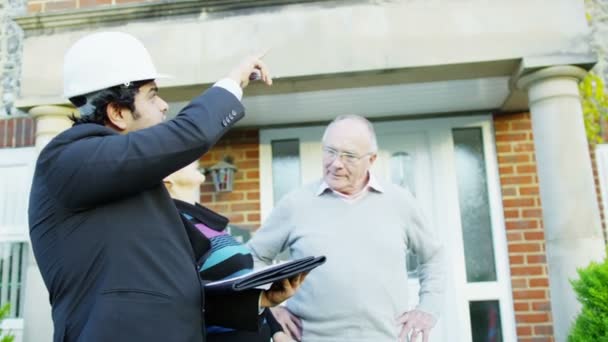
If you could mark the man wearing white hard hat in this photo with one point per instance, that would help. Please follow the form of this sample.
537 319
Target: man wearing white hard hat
116 258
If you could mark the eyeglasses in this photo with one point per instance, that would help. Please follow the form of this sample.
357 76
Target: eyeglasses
345 157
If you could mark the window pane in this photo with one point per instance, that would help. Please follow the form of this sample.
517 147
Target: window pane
485 321
12 269
474 205
285 167
402 174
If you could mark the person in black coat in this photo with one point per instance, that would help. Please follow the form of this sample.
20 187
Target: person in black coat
227 257
113 252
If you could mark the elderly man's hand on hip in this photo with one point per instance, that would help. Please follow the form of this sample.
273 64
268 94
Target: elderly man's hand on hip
418 322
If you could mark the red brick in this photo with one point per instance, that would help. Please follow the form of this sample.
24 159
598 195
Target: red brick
18 133
524 247
510 180
541 306
500 136
505 170
501 126
522 224
509 191
206 159
30 130
519 283
59 5
518 202
524 331
236 218
10 133
128 1
534 236
220 208
246 185
230 196
3 133
244 206
252 154
253 195
206 198
33 8
253 174
247 164
234 154
526 270
516 259
503 148
532 318
513 158
253 217
517 117
93 3
537 213
529 294
521 126
526 169
515 236
536 339
239 175
522 306
536 259
511 213
207 187
530 190
543 330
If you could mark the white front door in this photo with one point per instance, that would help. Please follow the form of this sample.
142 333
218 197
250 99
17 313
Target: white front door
434 159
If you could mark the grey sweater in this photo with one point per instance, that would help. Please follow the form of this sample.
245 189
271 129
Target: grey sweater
362 288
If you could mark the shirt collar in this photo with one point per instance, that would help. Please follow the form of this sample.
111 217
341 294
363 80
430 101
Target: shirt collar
372 185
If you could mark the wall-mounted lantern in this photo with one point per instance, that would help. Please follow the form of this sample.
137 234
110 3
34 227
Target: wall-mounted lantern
222 175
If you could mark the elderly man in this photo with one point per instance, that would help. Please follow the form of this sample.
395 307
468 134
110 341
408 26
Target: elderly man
364 227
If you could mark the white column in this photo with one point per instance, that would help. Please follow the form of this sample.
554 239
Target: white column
50 121
570 209
38 324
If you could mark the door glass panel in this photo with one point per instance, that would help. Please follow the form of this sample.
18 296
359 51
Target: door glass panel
402 173
485 321
285 167
474 205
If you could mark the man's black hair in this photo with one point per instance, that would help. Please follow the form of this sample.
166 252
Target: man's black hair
122 96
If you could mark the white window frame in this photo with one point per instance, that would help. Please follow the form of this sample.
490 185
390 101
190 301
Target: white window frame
15 157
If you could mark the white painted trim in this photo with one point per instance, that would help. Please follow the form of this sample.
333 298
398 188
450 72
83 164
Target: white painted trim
14 157
501 289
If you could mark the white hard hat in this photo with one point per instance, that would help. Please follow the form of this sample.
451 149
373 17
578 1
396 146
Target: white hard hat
103 60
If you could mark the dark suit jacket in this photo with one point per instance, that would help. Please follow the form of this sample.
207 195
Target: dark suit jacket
109 242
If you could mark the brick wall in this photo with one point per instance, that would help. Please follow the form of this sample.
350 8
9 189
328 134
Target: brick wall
523 220
45 6
596 179
16 132
242 205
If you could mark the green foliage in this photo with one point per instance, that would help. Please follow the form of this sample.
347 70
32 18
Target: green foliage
595 106
4 312
592 292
